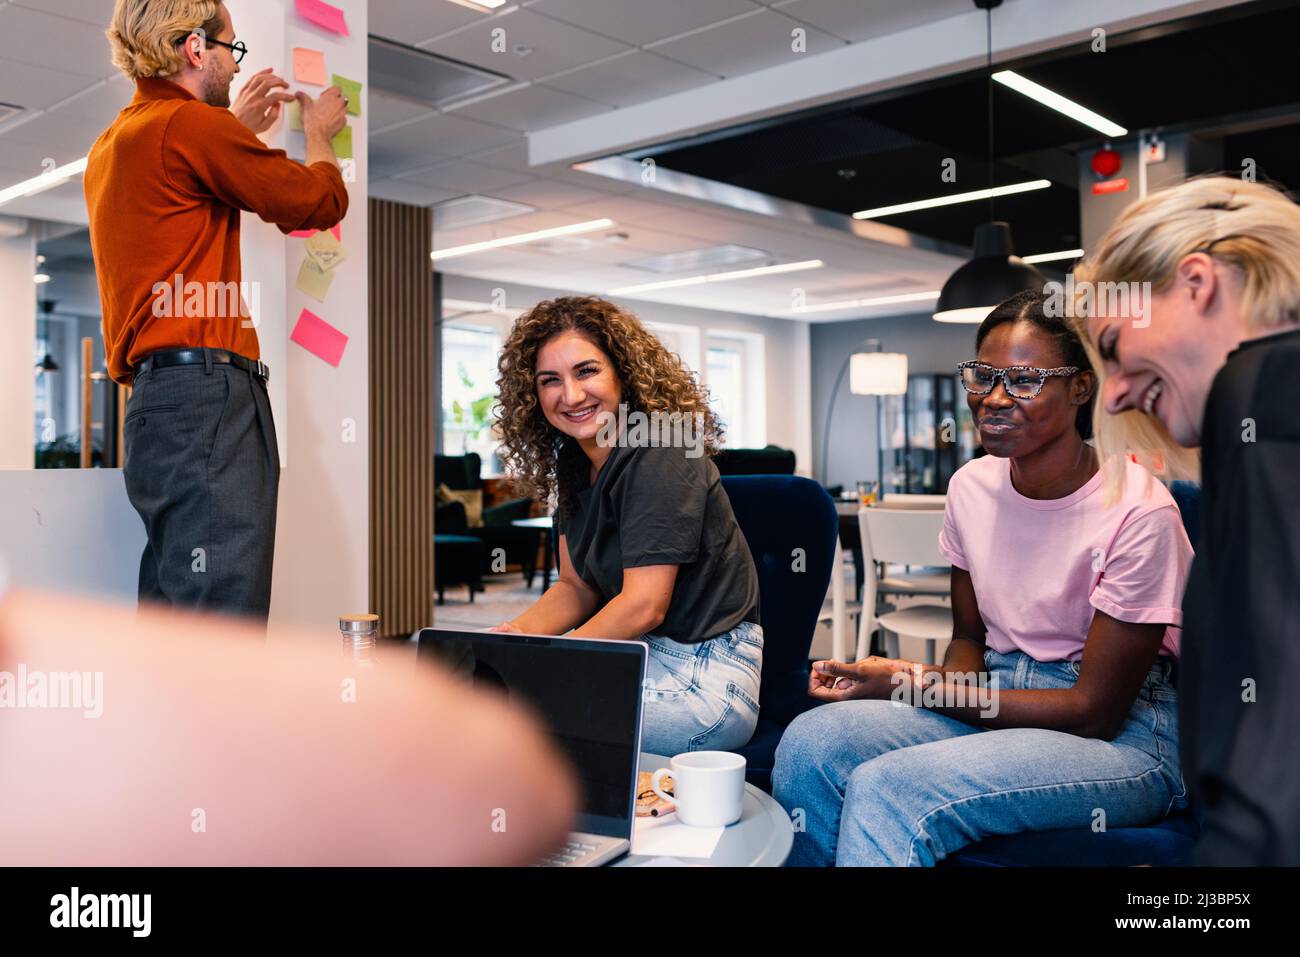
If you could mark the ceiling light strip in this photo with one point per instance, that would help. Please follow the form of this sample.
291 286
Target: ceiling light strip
39 184
466 250
971 197
720 277
868 303
1054 100
1053 257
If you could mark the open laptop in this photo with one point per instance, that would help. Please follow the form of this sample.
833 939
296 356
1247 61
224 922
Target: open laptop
589 693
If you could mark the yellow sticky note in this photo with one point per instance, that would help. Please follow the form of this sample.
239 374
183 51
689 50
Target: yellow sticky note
313 281
343 143
325 250
293 115
352 90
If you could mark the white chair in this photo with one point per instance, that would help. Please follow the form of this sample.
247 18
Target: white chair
909 500
903 536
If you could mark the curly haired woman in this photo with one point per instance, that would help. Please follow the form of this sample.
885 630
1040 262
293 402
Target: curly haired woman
649 546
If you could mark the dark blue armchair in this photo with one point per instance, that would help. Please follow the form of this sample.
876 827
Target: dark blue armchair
779 514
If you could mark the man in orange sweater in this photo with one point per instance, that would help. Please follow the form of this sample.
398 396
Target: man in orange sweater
165 185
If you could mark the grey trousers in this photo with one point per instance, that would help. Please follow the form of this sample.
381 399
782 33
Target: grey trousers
203 472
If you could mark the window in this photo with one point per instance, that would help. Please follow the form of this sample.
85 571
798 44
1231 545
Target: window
469 374
734 374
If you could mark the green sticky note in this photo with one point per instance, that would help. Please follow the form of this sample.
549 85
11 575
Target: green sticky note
352 90
343 143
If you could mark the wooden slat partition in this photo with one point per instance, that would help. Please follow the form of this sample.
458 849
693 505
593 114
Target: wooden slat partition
401 416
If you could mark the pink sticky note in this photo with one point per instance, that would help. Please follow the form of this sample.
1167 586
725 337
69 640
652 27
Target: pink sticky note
323 15
336 229
309 66
319 338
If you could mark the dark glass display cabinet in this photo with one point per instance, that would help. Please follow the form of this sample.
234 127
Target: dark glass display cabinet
928 434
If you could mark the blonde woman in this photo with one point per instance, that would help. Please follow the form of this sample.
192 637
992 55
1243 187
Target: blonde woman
1210 359
649 546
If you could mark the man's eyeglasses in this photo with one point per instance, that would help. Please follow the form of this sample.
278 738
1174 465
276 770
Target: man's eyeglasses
1022 382
237 49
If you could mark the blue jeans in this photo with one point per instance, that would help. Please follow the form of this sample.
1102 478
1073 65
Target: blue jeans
883 783
702 697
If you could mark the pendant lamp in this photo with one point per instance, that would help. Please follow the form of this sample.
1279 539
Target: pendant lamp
995 272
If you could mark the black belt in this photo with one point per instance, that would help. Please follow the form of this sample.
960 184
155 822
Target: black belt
198 357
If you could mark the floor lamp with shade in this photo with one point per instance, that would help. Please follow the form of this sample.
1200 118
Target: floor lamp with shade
871 372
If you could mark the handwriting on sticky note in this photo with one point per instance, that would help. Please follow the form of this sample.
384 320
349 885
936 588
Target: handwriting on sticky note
343 143
324 15
309 66
352 90
327 251
313 280
319 338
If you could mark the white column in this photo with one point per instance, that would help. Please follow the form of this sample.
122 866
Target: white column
322 555
17 343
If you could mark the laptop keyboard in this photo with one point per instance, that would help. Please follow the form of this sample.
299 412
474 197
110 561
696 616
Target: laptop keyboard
567 856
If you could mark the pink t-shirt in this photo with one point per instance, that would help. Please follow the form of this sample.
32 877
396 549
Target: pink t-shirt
1041 567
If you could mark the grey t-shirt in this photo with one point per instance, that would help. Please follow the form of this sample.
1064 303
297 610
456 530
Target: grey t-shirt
655 506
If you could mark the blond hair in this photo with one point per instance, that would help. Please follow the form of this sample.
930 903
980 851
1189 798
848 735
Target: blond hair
143 33
1252 228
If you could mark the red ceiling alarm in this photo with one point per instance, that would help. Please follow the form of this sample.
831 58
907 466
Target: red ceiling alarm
1106 163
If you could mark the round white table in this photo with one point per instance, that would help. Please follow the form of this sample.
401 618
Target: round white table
761 838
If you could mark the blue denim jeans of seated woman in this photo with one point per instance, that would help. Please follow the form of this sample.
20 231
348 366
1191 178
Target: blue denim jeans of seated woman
702 697
883 783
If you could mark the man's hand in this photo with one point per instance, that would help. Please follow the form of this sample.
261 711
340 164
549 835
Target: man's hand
506 627
324 116
869 678
259 102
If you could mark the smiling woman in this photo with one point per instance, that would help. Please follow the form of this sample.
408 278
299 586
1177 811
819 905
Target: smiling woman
1065 605
1213 363
649 546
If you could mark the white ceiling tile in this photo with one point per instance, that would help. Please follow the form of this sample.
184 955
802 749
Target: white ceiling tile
856 20
406 22
97 12
387 110
555 46
748 44
437 137
550 194
531 108
16 154
30 36
404 191
513 156
639 23
100 104
624 208
35 87
461 178
57 130
631 78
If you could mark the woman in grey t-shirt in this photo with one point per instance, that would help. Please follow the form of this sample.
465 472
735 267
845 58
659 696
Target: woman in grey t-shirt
595 411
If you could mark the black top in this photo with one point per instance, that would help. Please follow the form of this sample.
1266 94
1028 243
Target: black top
1241 613
655 506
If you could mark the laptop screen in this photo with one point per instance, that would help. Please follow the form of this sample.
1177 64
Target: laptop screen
589 692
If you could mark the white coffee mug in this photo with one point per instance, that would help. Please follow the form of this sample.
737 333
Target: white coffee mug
708 786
